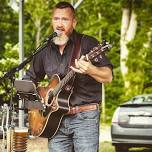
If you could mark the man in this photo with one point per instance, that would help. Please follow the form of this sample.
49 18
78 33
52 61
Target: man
79 129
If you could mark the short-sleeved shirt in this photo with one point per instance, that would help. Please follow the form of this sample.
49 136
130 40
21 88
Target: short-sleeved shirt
50 61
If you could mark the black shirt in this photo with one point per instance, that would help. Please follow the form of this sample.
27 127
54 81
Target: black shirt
49 61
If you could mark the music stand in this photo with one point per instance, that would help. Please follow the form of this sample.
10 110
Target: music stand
27 92
26 86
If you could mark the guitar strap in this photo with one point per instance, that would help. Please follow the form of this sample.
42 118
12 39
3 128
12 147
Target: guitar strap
75 55
76 49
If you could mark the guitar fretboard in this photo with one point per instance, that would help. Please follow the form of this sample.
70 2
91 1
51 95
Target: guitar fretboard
62 83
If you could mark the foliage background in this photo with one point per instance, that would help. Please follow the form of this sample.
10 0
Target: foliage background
99 18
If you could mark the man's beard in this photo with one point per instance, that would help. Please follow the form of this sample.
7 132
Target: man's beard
60 40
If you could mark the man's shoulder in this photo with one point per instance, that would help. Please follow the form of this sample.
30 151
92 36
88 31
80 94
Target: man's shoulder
88 42
90 38
86 37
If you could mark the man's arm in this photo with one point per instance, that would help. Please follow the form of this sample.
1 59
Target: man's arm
100 74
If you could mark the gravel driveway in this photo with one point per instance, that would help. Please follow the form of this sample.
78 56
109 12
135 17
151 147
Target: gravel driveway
40 144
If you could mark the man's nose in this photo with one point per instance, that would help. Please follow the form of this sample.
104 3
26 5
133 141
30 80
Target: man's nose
60 22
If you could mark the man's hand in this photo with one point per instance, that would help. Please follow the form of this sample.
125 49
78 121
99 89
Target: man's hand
82 66
100 74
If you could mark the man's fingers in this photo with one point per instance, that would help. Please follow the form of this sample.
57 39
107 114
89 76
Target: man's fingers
82 57
76 64
76 70
81 65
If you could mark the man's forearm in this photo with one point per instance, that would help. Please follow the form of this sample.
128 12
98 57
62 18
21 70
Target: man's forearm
100 74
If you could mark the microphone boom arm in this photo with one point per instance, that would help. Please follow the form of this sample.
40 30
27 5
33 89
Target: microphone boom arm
10 73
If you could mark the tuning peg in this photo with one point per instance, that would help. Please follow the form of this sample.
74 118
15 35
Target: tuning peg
96 60
100 56
104 42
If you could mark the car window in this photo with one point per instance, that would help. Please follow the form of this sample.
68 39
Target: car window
149 99
140 100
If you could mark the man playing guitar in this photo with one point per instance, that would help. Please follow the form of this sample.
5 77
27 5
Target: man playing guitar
76 114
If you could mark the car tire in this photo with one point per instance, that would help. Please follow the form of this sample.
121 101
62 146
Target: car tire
121 148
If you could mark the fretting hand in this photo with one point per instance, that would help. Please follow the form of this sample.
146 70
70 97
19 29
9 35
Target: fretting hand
82 66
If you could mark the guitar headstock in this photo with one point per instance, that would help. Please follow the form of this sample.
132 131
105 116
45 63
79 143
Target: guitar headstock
98 50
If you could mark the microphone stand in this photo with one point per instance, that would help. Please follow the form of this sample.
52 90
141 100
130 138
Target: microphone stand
11 74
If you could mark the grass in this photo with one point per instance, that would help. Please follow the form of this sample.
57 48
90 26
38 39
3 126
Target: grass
107 147
40 145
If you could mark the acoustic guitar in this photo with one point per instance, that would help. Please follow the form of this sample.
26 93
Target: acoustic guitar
56 96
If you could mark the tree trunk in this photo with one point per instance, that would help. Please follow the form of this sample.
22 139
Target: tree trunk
123 48
38 33
128 31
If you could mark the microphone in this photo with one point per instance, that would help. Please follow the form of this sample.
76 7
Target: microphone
54 34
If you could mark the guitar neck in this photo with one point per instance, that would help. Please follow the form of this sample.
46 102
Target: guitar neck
63 82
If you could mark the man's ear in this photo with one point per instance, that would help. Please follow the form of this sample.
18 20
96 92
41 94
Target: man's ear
74 23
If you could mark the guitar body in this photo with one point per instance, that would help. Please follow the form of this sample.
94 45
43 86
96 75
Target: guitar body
46 123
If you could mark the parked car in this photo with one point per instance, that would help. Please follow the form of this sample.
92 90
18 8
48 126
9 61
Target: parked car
132 124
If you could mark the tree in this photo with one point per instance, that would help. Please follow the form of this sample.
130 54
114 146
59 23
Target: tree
8 26
128 31
37 22
135 34
10 60
8 47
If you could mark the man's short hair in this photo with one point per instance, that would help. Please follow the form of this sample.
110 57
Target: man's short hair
62 5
